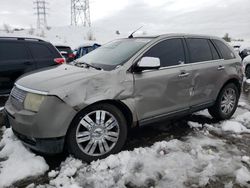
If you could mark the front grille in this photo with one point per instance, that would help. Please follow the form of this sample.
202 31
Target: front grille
17 98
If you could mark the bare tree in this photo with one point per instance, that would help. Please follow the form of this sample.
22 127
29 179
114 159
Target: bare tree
90 35
227 38
6 28
31 30
117 32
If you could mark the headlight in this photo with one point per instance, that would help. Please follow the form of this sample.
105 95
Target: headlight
33 101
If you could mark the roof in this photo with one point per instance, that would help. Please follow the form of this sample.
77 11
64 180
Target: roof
176 35
20 37
86 44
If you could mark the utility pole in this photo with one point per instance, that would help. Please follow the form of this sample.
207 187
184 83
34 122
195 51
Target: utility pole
41 12
80 13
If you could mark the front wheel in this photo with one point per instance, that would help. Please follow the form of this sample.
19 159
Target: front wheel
226 103
99 131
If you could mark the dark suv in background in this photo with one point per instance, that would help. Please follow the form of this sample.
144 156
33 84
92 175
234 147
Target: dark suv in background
21 55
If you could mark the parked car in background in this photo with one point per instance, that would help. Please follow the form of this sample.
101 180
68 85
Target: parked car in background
84 49
66 52
244 53
246 63
236 48
88 107
21 55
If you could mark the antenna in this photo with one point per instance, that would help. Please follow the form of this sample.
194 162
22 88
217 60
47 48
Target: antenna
41 12
80 13
131 35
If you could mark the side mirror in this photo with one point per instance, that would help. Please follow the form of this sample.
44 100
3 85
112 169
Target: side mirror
148 63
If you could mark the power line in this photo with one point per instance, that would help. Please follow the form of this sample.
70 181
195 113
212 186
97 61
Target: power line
80 13
41 12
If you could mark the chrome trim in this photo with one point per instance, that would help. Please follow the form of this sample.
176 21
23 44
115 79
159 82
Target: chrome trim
4 95
184 65
31 90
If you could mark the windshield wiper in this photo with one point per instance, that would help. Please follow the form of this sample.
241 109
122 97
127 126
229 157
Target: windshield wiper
87 65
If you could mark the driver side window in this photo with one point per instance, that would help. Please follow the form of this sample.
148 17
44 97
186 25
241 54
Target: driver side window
170 52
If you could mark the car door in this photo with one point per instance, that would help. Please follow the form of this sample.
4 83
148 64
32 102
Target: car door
206 71
15 60
166 90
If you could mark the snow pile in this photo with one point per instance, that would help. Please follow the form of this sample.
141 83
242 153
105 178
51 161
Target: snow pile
194 124
238 125
65 176
244 119
192 162
242 104
16 162
242 176
234 126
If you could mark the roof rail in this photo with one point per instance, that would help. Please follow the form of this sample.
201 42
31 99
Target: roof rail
22 38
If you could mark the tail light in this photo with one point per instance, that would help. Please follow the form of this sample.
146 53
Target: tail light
71 55
59 60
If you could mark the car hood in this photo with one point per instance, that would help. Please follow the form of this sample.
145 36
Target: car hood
50 79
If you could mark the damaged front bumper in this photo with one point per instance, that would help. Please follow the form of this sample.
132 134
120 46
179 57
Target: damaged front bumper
43 131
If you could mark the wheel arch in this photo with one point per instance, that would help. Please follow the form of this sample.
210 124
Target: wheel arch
117 103
234 81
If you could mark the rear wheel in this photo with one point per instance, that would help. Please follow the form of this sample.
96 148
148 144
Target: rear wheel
247 72
99 131
226 102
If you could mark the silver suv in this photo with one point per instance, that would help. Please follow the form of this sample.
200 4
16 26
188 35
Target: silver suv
88 107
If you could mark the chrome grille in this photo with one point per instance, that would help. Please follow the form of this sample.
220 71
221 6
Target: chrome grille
17 98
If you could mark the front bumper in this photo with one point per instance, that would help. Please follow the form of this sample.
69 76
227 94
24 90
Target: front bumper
45 130
46 146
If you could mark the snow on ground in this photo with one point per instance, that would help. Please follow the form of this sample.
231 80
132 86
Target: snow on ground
192 162
16 162
73 36
237 125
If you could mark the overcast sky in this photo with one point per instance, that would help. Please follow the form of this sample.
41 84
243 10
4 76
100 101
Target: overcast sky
157 16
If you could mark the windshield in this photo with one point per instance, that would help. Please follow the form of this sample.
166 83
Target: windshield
115 53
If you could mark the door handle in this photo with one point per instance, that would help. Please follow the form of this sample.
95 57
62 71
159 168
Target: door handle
184 74
221 67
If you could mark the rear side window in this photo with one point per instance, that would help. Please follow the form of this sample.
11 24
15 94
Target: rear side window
224 50
13 51
214 51
199 50
40 51
170 52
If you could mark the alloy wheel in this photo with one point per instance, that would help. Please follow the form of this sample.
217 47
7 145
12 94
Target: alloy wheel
228 101
97 133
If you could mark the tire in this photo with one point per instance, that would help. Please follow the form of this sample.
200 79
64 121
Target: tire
97 139
247 71
220 110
